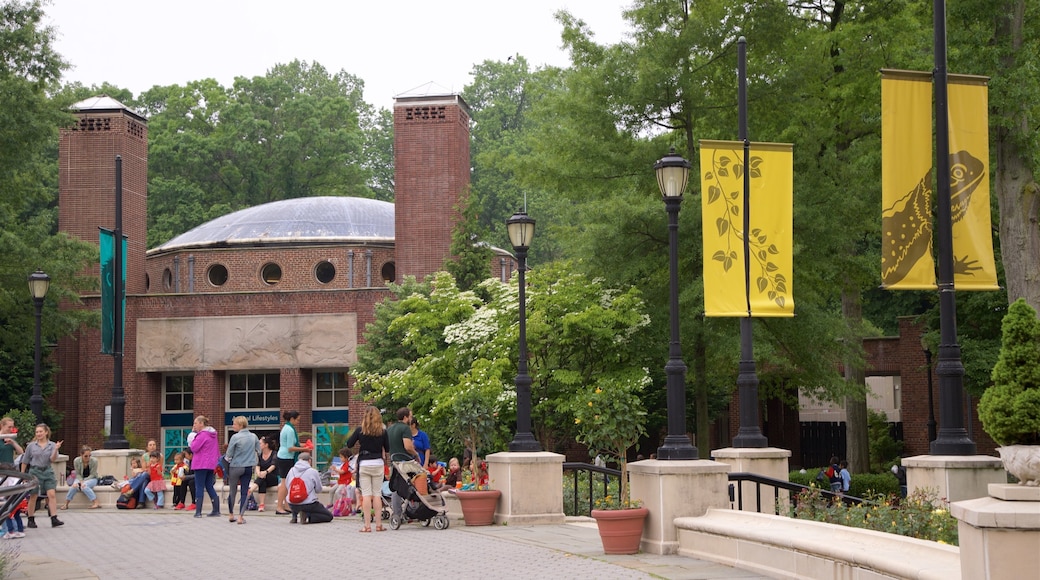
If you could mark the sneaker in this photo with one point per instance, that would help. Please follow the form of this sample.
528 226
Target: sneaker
260 508
191 507
18 534
179 506
8 536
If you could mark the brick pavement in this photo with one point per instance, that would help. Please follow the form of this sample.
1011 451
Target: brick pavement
144 544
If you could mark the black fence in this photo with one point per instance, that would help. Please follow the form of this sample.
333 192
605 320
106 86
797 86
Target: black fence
822 440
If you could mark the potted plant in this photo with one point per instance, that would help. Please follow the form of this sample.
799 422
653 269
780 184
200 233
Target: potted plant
610 419
1010 408
471 414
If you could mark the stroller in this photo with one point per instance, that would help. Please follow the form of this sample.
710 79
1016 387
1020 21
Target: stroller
408 479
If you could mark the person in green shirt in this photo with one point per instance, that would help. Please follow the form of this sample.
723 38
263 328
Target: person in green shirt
402 448
9 447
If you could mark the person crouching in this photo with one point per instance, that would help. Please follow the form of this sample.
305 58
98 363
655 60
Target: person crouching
303 496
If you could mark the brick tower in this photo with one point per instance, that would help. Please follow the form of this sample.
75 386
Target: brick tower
87 179
431 176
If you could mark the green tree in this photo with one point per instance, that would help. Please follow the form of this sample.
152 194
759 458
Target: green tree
29 123
1010 409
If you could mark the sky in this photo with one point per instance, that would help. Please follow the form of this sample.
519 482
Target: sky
394 47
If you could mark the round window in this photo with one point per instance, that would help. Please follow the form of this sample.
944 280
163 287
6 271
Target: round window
217 275
271 273
325 272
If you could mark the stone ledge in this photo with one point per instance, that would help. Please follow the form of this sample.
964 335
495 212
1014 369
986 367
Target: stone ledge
1012 492
988 512
783 547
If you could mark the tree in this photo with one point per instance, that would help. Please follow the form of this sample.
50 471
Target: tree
29 122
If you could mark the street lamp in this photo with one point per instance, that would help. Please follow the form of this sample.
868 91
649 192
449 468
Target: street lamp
38 285
672 174
521 229
931 401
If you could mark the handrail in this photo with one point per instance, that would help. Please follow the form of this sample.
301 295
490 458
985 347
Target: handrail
576 467
12 495
777 485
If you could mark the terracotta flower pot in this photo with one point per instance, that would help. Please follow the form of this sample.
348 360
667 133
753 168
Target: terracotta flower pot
620 530
478 507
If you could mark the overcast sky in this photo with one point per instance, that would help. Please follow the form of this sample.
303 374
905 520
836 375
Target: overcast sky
394 47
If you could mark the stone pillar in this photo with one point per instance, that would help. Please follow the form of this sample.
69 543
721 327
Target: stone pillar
673 489
531 484
115 462
999 535
766 461
954 477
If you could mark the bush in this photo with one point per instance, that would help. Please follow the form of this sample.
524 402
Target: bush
582 491
1010 408
921 515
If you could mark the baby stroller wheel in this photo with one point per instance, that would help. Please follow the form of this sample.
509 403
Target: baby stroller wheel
395 522
385 514
425 523
441 522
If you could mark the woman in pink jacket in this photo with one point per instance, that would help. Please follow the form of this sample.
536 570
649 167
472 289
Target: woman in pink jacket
206 453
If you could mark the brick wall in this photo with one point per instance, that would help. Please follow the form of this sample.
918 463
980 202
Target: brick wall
431 177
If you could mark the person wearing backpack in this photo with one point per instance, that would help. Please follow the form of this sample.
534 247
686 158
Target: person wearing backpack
834 474
304 484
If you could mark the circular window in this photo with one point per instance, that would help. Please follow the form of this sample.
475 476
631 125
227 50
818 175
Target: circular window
271 273
389 272
217 275
167 279
325 272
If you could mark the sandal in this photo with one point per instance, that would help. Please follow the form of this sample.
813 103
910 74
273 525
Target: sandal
94 506
365 529
64 507
380 529
281 513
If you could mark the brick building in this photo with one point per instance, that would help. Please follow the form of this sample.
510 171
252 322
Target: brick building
262 309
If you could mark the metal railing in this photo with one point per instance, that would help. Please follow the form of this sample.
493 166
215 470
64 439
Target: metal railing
598 478
15 486
736 491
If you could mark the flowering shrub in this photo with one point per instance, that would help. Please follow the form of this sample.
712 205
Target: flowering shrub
921 515
609 420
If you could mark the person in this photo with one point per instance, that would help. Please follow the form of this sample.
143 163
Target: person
156 488
13 523
86 468
900 472
205 454
241 456
373 445
844 476
178 479
834 474
37 459
9 446
402 448
310 510
436 470
189 478
289 449
345 478
421 442
266 470
140 480
451 480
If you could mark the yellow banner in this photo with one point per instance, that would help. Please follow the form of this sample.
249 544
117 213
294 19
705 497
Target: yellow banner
906 181
974 267
770 218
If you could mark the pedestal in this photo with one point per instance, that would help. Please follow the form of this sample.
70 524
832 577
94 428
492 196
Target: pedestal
672 489
115 462
766 461
531 484
954 477
999 535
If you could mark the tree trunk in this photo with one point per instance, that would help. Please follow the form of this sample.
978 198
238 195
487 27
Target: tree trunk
1018 195
857 444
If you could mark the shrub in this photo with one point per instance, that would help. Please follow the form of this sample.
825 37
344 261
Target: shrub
922 515
1010 408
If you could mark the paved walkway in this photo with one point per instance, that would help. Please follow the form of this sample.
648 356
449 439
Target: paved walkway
145 543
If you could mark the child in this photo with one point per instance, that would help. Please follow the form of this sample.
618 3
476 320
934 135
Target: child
135 467
436 470
177 479
13 524
156 483
188 478
343 488
454 476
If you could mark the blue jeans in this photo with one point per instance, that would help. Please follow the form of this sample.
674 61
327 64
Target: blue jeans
204 479
14 523
156 496
243 475
140 481
88 490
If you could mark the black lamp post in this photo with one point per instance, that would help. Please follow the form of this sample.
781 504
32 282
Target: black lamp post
38 285
521 229
931 401
672 173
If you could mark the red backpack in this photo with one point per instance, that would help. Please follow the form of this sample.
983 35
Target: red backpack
297 491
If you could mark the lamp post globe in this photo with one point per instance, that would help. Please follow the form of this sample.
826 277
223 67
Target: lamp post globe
520 228
39 283
673 171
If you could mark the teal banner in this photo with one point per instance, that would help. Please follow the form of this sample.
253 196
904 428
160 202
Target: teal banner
108 291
